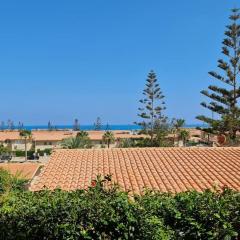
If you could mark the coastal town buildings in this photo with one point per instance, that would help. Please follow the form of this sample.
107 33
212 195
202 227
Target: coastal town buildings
42 139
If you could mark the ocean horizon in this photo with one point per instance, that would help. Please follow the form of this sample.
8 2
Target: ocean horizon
91 127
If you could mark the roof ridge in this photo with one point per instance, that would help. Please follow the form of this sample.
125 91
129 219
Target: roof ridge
148 148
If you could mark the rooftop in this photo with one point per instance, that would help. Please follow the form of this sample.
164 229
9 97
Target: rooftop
164 169
25 170
44 135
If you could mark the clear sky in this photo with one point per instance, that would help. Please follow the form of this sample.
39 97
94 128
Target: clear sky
61 60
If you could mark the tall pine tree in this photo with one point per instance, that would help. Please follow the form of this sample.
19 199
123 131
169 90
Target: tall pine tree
224 101
98 124
76 125
153 105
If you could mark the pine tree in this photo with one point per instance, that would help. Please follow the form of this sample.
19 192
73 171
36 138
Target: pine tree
20 126
2 125
98 124
12 126
224 100
9 124
76 125
50 127
152 105
107 128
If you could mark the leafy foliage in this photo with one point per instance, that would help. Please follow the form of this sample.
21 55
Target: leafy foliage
184 135
82 134
178 124
4 149
108 138
103 211
127 143
26 134
10 182
194 215
80 141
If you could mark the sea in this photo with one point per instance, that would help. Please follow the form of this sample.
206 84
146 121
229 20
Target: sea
104 127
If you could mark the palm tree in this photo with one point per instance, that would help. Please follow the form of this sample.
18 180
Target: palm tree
177 125
76 142
82 134
26 135
108 138
184 136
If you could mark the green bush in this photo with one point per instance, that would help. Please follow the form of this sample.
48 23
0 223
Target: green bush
10 182
192 143
4 150
42 152
194 215
20 153
105 212
48 151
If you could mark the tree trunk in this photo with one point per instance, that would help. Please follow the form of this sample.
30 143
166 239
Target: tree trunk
25 149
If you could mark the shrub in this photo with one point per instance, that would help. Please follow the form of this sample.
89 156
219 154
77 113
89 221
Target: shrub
127 143
104 212
41 153
20 153
10 182
4 149
48 151
92 214
194 215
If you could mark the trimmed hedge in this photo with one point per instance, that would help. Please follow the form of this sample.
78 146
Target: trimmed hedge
20 153
104 212
48 151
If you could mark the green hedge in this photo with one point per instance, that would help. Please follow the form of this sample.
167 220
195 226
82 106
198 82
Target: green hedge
106 213
20 153
48 151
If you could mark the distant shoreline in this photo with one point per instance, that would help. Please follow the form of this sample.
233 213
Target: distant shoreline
91 127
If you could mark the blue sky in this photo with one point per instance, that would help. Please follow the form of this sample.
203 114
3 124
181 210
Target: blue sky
61 60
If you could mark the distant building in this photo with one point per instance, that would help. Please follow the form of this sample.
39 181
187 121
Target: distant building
43 139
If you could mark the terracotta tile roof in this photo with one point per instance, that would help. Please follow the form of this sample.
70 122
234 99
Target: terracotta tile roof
97 135
25 170
43 135
52 135
9 135
164 169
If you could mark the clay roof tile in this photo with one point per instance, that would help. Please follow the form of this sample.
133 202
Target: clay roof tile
164 169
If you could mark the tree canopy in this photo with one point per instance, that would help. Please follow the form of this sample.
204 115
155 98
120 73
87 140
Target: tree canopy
224 99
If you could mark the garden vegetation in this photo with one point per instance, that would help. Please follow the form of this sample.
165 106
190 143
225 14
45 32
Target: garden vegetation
103 211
